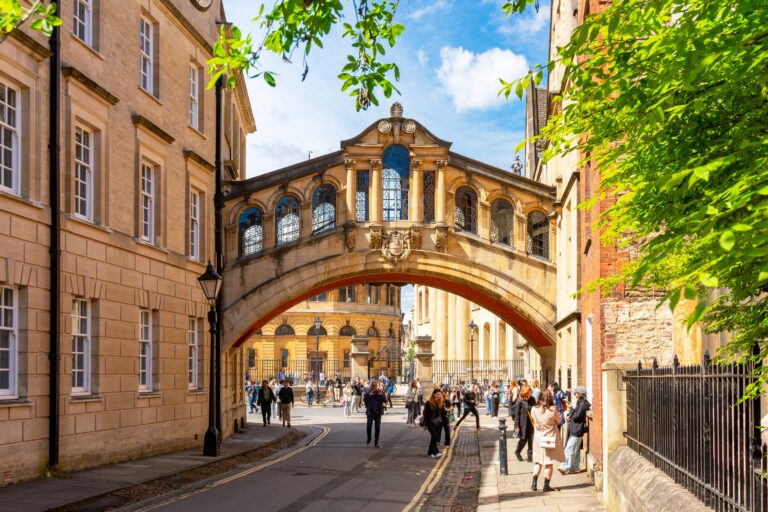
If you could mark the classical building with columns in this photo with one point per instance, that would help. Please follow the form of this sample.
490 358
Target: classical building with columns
292 343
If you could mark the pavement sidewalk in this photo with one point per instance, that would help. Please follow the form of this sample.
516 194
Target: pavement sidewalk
513 491
49 493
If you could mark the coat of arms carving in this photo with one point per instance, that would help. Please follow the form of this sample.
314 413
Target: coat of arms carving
396 246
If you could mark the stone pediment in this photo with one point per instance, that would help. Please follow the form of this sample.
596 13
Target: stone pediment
396 129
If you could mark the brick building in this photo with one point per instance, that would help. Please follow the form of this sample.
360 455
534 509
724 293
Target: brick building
136 165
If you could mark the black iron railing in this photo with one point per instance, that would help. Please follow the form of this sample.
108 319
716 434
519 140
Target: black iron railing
454 371
685 421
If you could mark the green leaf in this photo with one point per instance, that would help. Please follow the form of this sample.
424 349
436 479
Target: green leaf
269 78
709 280
689 292
727 240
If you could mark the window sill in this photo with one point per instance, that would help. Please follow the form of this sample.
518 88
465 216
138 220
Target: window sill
4 192
198 132
197 261
150 95
153 246
83 220
195 391
13 401
149 394
76 399
87 46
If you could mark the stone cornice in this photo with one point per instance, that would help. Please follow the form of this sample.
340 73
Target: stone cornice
184 22
575 315
40 51
72 72
140 120
191 155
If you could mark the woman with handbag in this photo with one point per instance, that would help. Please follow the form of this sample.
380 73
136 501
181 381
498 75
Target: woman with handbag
434 419
547 443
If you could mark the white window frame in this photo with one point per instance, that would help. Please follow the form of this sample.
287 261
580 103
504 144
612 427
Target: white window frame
194 96
9 323
147 203
87 23
145 350
146 55
84 172
193 344
81 314
194 224
10 106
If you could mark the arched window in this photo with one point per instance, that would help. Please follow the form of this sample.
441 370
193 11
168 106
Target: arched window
373 332
284 330
466 210
287 220
250 231
317 332
538 235
347 330
323 208
502 222
502 340
426 304
487 341
394 183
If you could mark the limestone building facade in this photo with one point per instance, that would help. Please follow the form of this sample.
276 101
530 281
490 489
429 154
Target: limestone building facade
136 164
291 343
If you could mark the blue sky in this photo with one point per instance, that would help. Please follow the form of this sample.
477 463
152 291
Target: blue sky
450 56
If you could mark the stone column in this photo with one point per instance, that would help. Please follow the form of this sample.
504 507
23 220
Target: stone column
375 192
441 354
424 361
462 330
351 189
416 192
452 339
441 326
358 357
440 198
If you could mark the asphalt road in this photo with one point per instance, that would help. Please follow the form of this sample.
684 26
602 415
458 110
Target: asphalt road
339 473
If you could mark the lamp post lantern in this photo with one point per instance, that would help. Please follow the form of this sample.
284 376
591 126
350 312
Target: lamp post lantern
318 325
472 327
210 282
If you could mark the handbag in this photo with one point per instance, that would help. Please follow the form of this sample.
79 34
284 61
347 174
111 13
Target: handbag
546 441
437 422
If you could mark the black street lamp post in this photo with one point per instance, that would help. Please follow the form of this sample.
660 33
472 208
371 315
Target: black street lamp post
472 327
210 282
318 325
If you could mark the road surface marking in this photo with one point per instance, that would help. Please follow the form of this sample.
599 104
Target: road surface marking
434 476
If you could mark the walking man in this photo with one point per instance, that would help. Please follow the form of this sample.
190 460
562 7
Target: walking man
286 402
470 406
374 409
577 427
265 401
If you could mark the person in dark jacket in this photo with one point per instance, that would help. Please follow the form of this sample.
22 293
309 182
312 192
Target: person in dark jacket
434 419
286 402
470 406
265 400
577 427
374 409
522 416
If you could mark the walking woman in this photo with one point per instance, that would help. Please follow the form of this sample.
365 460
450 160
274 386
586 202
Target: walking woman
495 399
310 393
522 416
347 397
411 404
434 419
512 395
547 443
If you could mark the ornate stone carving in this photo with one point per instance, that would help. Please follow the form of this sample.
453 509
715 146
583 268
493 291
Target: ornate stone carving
396 110
396 246
375 164
416 237
441 164
375 241
416 164
349 236
349 163
441 238
384 126
409 126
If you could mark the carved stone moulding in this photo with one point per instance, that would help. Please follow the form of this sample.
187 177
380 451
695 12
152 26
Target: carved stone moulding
384 126
416 235
375 237
396 245
441 238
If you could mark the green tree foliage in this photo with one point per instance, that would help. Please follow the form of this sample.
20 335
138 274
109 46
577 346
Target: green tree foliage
670 100
13 15
300 25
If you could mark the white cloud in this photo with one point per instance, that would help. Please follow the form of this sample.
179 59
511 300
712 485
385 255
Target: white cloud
525 25
421 55
472 80
429 9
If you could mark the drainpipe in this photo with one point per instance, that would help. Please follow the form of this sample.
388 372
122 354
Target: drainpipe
218 204
54 186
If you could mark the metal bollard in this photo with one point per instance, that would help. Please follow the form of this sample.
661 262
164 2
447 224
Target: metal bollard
503 446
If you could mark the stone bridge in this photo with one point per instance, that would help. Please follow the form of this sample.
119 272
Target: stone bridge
393 205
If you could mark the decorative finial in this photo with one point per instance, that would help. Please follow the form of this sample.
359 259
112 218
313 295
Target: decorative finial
517 166
396 110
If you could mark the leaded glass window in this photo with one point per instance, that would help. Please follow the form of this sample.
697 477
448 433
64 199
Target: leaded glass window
317 332
394 183
284 330
287 220
466 210
347 294
428 190
323 208
361 203
502 222
250 231
538 235
347 330
320 297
